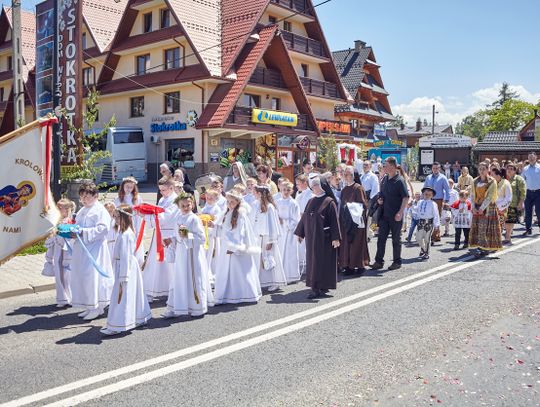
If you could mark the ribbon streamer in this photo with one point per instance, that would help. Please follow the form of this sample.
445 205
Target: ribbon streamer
148 209
92 260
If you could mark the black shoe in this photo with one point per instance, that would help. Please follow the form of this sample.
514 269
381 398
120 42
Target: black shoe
456 247
466 246
528 232
394 266
313 294
359 271
376 266
347 271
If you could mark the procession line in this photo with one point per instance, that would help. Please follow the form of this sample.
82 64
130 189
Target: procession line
176 367
228 338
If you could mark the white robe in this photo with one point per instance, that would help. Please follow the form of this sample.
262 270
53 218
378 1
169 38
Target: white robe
237 277
303 198
250 200
90 290
111 240
267 231
58 259
131 308
289 216
213 239
190 292
222 203
157 275
137 223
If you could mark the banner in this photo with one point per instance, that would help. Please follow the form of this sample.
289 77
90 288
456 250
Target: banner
27 209
274 118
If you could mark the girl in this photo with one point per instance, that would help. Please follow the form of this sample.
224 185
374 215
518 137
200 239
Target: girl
211 208
129 307
190 292
217 184
267 230
504 195
303 196
128 194
519 191
156 274
92 278
249 197
113 231
237 278
58 256
289 216
264 175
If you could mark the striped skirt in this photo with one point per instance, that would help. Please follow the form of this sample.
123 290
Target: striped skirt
485 231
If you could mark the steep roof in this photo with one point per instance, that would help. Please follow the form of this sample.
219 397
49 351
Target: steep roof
506 141
102 19
28 37
349 64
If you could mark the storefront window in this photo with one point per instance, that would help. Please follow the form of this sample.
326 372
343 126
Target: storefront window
172 102
180 152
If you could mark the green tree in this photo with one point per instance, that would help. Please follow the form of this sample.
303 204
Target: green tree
328 153
511 116
474 125
398 122
505 94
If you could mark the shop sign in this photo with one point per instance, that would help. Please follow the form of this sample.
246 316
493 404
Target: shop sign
274 118
389 143
446 140
327 126
379 130
163 127
214 157
427 157
303 143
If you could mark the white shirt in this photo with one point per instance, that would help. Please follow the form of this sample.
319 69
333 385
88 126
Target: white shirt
370 182
504 194
462 215
429 210
303 197
531 174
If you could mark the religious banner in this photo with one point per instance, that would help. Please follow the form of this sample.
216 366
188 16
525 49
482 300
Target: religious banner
69 81
27 210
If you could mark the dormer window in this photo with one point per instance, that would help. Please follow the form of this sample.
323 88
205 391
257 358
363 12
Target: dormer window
165 18
147 22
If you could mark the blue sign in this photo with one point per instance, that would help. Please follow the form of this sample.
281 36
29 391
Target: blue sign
176 126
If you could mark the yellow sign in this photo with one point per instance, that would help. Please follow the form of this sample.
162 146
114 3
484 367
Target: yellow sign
275 118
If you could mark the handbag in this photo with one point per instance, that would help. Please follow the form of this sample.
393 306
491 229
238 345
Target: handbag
268 261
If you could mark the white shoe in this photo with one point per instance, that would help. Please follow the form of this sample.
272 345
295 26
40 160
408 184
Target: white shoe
108 332
83 314
273 288
93 315
169 314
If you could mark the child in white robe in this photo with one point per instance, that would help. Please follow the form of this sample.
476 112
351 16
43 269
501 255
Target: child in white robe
289 216
249 197
113 231
128 194
91 284
129 307
217 184
58 256
211 208
156 274
237 277
267 231
303 196
190 292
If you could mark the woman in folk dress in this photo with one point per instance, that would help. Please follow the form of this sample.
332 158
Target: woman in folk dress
504 195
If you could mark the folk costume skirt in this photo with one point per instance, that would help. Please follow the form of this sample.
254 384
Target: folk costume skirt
513 215
485 231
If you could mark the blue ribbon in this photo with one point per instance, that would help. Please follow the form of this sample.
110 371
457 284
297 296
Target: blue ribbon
92 260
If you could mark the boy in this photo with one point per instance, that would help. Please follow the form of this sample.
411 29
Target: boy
413 210
218 186
211 208
303 196
92 279
428 221
249 198
462 213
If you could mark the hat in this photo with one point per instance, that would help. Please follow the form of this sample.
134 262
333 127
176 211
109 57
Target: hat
428 189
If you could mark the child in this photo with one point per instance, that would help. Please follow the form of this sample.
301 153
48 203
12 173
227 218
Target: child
280 183
155 273
428 220
58 256
92 279
211 208
446 216
129 307
218 186
267 229
462 214
413 210
128 194
249 197
190 292
237 278
303 196
113 231
289 216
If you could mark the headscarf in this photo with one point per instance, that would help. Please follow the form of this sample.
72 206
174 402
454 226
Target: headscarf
241 172
325 186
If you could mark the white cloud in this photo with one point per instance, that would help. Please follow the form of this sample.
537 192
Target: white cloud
452 109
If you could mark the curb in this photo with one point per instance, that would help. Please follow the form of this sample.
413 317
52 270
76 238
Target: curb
30 290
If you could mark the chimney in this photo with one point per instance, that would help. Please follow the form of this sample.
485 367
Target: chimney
418 125
358 45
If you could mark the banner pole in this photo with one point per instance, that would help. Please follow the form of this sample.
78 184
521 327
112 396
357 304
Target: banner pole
56 142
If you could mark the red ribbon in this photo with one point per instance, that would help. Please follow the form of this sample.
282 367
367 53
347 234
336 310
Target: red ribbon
148 209
48 148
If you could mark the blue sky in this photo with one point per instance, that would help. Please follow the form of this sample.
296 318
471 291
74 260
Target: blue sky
452 53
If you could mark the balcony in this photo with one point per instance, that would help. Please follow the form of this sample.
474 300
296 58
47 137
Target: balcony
267 77
300 6
242 116
5 75
320 88
304 45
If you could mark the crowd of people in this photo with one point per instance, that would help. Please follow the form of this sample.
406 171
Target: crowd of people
246 234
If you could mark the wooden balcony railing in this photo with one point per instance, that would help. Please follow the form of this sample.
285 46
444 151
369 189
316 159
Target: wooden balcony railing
301 6
303 44
267 77
319 88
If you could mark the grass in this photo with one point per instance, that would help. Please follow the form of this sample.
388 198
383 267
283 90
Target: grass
34 249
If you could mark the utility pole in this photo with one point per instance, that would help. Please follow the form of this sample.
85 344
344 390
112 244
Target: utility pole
18 86
433 120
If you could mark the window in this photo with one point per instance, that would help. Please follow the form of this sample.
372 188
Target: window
276 104
147 22
124 137
137 106
9 63
172 102
1 94
88 76
287 26
251 100
272 19
143 64
172 58
83 41
180 152
305 70
165 18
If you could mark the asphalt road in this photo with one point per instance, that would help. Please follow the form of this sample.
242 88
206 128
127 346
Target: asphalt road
450 331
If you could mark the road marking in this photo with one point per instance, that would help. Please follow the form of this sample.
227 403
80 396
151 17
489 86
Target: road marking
238 335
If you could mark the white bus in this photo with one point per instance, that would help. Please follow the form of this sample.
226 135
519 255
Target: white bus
127 150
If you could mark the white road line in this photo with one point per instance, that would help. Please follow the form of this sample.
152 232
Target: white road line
238 335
